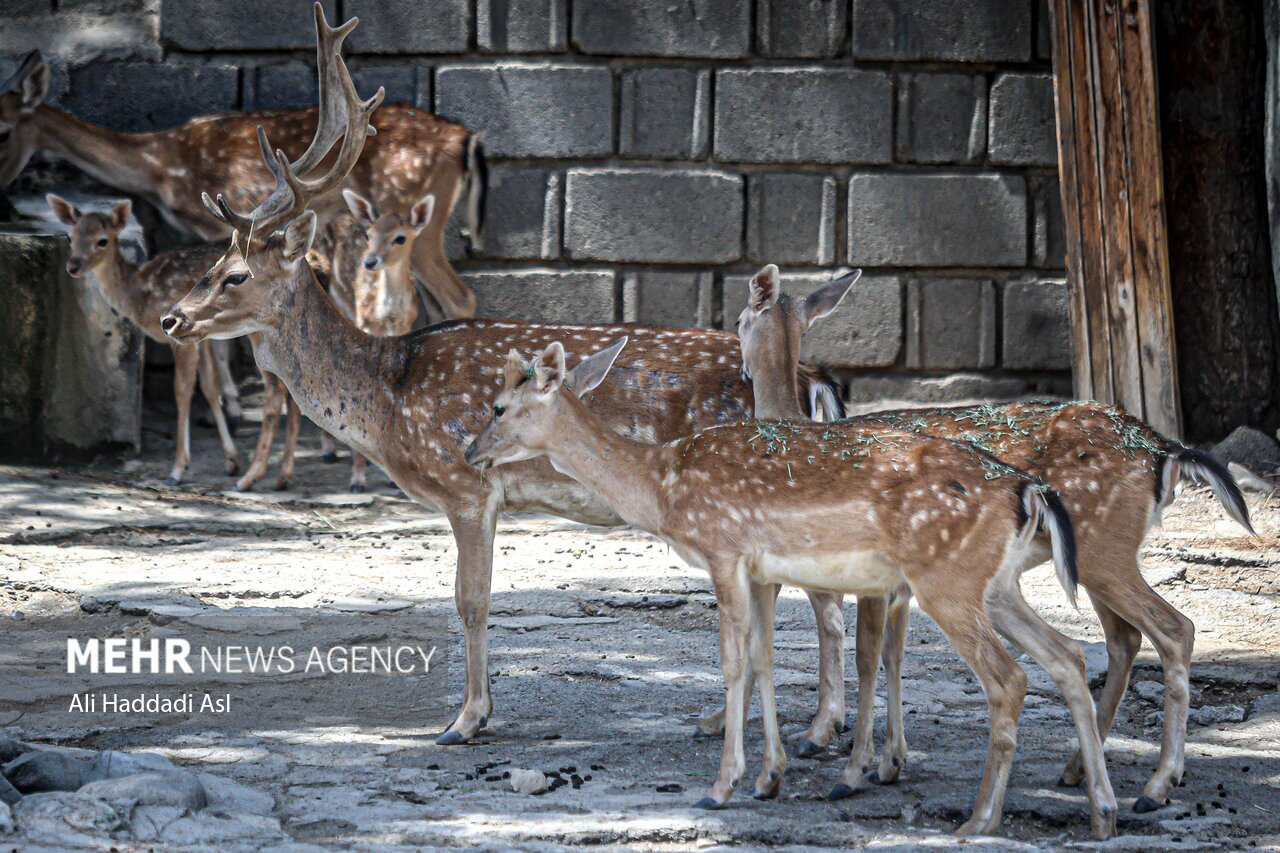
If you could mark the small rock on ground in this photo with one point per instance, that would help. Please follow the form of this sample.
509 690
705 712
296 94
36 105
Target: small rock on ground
528 781
46 771
63 817
168 788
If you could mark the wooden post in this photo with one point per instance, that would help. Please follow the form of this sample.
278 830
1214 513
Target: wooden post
1113 201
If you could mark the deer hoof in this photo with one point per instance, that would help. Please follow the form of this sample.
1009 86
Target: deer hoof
330 457
171 481
281 485
840 791
232 467
1145 804
451 738
1064 782
808 749
708 804
842 726
357 488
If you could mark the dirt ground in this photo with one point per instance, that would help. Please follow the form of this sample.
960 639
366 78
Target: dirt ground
603 652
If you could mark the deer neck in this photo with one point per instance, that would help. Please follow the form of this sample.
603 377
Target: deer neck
115 277
121 160
340 377
775 396
625 474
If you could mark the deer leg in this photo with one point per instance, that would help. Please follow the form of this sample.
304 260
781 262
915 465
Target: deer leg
272 400
958 610
446 287
870 641
1123 642
828 610
733 600
230 391
1173 636
894 757
207 373
764 600
185 363
358 466
328 448
471 593
285 475
1063 659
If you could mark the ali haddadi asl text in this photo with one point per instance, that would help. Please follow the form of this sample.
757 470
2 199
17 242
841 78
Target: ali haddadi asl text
150 703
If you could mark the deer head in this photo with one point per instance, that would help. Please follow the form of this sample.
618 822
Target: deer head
525 411
390 235
94 236
19 98
251 283
771 325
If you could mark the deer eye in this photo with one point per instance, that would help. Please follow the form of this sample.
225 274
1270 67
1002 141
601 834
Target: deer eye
399 240
236 278
498 410
102 241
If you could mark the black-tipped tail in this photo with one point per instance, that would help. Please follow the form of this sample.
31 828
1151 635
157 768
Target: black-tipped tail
1042 505
823 396
477 187
1205 467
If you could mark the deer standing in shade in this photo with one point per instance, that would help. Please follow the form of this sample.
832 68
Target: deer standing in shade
859 509
1116 476
411 404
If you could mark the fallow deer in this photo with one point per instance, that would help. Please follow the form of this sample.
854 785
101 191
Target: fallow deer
370 280
140 294
411 404
414 153
842 508
1116 476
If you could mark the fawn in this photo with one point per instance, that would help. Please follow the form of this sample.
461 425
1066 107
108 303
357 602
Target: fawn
413 403
140 294
842 508
1115 475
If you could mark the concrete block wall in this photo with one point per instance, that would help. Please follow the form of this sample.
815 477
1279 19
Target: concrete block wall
648 156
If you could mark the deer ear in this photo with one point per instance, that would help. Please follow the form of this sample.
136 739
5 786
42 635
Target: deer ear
420 213
764 288
298 236
548 370
120 214
825 299
591 372
63 210
514 371
361 208
33 81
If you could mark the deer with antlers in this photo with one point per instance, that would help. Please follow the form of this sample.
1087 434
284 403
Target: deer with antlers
411 404
847 508
414 153
1116 476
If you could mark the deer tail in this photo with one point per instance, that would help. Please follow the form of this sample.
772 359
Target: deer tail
1189 464
822 393
1042 505
477 186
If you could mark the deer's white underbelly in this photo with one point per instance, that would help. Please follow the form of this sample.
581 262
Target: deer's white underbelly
851 573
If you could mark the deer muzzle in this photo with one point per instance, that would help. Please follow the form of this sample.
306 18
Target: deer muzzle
75 266
175 324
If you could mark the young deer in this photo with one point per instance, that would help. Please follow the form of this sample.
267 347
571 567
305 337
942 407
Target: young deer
140 294
371 281
847 508
1115 475
411 404
414 153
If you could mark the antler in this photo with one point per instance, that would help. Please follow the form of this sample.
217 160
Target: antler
342 114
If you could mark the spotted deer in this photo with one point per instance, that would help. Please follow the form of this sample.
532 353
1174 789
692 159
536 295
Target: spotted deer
413 154
1116 476
843 508
371 281
140 294
411 404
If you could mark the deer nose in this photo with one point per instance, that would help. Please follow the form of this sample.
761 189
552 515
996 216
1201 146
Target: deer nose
74 265
371 262
470 454
168 323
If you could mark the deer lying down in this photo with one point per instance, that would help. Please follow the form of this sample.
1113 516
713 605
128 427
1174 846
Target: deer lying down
841 508
140 294
1115 475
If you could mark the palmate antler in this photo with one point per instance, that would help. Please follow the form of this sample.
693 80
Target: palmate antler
342 114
